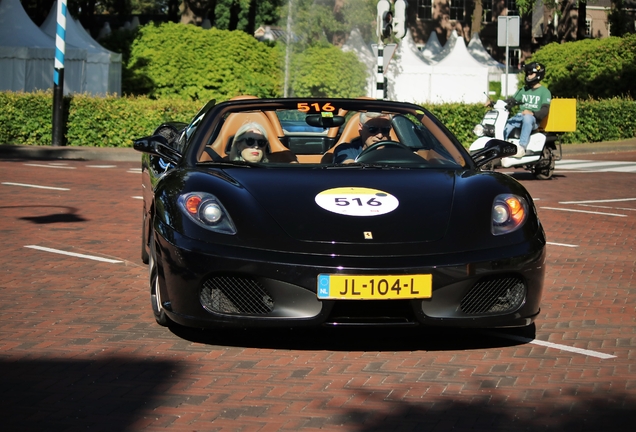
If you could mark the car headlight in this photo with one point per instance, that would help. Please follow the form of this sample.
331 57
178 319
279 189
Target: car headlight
509 212
484 130
207 211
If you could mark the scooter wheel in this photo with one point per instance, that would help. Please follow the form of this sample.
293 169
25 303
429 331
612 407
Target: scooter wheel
544 168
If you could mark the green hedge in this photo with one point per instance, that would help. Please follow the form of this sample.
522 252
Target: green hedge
115 122
604 120
92 121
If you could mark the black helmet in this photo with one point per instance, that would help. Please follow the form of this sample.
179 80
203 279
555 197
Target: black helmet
536 68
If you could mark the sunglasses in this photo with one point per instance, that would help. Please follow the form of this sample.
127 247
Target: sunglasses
253 142
374 130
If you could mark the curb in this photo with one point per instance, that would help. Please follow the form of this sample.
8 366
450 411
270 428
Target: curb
600 147
69 153
8 151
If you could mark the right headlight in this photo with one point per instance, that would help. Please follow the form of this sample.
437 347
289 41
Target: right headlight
509 212
207 211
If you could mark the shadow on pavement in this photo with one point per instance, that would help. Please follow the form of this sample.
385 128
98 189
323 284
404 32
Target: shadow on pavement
355 338
56 395
570 409
69 215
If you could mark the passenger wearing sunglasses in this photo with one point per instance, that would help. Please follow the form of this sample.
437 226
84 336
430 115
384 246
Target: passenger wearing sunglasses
249 144
373 127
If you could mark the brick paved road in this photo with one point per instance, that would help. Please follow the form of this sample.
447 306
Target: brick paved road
79 348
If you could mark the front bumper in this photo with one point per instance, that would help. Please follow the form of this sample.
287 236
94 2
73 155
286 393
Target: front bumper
206 285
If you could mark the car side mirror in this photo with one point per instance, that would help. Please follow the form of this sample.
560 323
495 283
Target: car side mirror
494 149
157 145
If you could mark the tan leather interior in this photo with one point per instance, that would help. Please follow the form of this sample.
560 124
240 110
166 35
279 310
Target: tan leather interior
221 145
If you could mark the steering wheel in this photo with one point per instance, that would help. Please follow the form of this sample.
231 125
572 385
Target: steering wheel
380 144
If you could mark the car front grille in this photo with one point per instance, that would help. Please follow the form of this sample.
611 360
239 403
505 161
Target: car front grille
494 296
236 295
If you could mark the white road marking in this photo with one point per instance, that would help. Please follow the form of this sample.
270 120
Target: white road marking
555 345
34 186
584 211
607 207
562 244
578 165
73 254
592 164
598 201
49 166
101 166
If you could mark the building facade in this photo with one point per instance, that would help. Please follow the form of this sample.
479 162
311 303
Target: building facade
538 28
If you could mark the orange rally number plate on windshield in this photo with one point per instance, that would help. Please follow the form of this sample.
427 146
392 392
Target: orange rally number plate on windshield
385 287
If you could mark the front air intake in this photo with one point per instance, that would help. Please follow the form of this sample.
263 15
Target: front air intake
494 296
236 296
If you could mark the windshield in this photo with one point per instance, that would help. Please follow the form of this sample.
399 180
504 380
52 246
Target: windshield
328 133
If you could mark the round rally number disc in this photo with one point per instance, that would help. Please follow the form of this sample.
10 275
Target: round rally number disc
357 201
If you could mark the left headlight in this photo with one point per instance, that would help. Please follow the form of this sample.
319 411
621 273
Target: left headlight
206 210
484 130
509 212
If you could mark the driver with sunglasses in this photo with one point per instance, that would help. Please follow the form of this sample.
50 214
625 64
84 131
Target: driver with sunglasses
373 127
249 144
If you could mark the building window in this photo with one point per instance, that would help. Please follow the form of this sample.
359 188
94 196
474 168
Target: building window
512 8
457 9
486 6
424 9
588 27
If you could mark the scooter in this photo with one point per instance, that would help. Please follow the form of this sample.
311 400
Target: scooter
541 154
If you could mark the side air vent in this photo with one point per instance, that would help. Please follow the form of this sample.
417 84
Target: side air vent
494 296
236 296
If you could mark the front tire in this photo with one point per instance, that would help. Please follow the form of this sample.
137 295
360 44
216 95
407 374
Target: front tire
544 168
153 279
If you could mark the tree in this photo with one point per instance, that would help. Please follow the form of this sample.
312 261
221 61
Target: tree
327 71
478 11
620 22
202 64
581 22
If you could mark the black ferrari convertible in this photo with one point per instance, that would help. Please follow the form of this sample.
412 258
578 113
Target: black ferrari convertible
249 220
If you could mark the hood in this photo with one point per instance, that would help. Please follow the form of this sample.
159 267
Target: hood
354 205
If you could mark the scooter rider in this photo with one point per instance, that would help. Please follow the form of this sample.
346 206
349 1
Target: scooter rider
535 104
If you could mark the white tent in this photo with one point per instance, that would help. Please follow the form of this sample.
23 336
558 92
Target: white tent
432 47
103 67
458 77
497 71
452 76
477 50
409 74
27 54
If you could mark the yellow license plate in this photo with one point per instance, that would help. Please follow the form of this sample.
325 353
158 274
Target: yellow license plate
385 287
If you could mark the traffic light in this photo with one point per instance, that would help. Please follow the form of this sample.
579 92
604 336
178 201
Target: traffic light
384 13
399 20
387 24
391 22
